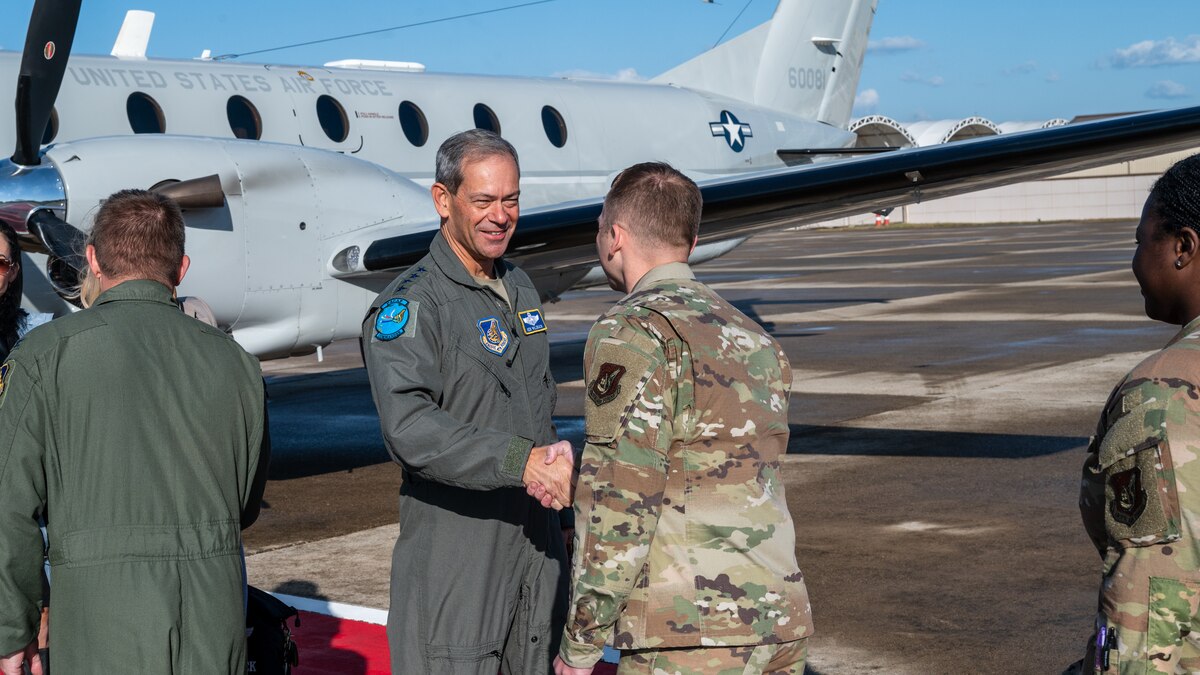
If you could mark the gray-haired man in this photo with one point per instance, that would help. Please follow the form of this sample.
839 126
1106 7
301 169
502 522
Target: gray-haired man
458 358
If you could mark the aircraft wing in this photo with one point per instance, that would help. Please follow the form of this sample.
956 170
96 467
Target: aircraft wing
562 237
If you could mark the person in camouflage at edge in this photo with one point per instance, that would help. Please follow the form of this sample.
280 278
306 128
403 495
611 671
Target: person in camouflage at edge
1141 480
684 544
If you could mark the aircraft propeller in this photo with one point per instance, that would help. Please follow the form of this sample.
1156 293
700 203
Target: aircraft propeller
47 47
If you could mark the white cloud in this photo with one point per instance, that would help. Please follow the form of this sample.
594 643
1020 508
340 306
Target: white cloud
1053 76
932 80
904 43
1167 89
622 75
1166 52
1022 68
866 102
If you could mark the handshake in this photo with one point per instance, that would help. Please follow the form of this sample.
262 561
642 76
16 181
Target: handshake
550 475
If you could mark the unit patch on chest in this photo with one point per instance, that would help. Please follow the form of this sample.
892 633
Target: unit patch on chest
532 321
493 336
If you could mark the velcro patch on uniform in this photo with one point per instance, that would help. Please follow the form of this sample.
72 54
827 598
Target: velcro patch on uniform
617 374
532 321
607 385
492 335
1129 496
396 318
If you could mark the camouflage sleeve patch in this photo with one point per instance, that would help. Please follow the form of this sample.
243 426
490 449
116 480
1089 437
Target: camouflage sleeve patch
618 372
1140 501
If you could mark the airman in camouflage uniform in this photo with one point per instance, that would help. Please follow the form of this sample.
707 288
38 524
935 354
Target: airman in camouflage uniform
1141 480
684 544
1140 466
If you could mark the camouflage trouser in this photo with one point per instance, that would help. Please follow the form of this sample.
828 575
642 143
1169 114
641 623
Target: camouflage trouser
1170 642
777 659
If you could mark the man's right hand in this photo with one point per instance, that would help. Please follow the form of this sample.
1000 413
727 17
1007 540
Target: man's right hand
10 664
551 481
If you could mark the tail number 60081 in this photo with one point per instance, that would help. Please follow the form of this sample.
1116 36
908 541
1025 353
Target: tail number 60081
806 78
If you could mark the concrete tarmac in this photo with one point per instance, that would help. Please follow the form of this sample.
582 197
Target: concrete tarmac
945 383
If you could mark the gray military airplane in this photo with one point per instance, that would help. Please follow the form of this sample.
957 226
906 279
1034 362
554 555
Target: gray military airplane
305 189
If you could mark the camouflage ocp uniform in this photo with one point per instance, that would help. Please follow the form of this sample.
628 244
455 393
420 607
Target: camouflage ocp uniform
1139 500
683 537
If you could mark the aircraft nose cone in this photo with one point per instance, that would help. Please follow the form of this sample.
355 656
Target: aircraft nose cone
24 189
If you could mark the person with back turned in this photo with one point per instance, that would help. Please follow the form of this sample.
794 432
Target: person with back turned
141 433
458 357
1141 479
685 550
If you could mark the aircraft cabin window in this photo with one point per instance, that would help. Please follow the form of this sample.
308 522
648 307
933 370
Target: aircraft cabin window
486 119
332 117
145 115
51 127
555 126
412 121
244 120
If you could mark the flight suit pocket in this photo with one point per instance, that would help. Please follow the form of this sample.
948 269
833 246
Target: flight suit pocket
1141 506
456 660
1172 605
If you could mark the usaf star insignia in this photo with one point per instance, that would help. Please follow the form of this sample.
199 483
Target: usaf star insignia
396 318
532 321
607 385
493 337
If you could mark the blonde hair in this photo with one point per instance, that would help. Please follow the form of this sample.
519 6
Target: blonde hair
89 287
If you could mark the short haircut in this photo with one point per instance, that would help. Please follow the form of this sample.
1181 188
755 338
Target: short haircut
139 234
1175 197
469 146
657 202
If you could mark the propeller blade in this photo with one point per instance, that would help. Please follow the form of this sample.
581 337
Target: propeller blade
62 238
47 47
194 193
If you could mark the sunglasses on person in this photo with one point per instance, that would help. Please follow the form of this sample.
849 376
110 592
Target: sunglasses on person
7 266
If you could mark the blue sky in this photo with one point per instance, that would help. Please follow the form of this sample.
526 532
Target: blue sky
1014 60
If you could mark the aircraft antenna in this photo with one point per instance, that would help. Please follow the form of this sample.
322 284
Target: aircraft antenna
735 20
226 57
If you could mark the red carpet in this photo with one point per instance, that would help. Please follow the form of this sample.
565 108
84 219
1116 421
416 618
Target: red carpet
332 646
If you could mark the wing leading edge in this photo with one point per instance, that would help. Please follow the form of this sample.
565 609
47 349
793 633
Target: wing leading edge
563 236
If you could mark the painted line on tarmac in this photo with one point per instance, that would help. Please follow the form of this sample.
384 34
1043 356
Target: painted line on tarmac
338 610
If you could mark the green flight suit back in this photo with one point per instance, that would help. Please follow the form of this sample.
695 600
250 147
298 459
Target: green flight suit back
139 431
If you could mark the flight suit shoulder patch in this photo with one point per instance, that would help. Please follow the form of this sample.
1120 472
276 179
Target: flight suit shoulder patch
617 375
396 318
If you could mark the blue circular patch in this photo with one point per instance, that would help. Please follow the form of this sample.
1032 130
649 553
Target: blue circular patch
391 320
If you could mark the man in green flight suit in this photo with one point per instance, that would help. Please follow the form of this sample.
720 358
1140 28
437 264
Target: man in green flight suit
140 433
458 358
685 547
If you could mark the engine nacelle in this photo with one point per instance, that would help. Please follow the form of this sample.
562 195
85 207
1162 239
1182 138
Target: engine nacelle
262 260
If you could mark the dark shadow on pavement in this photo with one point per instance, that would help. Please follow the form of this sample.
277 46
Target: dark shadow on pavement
315 636
824 440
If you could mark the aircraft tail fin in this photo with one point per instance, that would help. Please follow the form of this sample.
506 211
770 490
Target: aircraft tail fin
805 61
